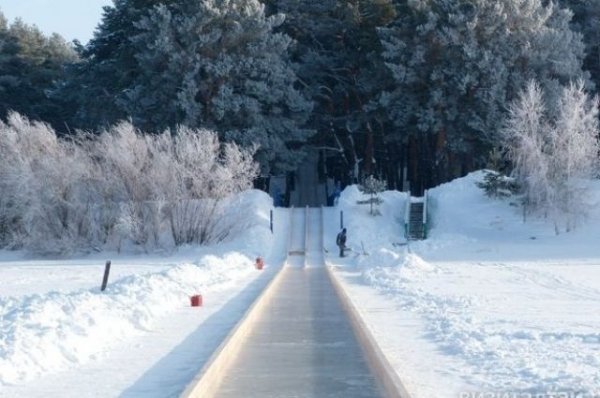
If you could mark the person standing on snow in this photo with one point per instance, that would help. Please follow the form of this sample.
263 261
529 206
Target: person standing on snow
340 240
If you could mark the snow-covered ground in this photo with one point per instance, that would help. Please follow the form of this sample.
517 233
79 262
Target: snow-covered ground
488 304
61 336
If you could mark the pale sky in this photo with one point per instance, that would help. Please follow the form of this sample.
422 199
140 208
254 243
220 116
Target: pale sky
72 19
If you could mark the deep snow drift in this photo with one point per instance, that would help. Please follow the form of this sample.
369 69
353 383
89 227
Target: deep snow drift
487 304
53 317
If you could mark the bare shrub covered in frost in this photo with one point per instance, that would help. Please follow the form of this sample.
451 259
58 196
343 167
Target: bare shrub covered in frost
57 196
209 172
554 154
44 194
131 179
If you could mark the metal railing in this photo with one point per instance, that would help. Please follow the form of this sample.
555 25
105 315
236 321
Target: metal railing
306 232
407 216
425 220
425 215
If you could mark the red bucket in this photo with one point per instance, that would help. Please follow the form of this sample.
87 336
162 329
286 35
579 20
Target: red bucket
196 301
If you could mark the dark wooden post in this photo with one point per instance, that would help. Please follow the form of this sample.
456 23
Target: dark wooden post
105 279
271 220
341 219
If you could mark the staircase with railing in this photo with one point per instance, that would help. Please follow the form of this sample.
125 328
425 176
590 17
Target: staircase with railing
415 218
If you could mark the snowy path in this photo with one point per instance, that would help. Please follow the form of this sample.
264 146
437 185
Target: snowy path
516 327
303 344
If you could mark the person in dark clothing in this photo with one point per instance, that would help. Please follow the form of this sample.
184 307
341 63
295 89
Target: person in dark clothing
340 240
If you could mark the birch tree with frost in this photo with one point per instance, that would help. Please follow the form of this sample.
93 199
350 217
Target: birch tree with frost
554 150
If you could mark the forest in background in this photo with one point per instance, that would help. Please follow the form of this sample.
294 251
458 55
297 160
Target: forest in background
391 88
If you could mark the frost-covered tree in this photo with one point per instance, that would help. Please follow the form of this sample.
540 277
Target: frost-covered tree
337 53
458 64
526 135
176 180
586 20
87 192
44 197
218 65
30 65
554 149
212 64
372 186
95 87
574 150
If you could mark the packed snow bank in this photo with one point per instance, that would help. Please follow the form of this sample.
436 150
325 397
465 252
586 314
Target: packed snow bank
488 304
55 330
463 216
366 233
518 328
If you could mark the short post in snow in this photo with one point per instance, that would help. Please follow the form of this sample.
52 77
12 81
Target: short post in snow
105 279
271 220
341 219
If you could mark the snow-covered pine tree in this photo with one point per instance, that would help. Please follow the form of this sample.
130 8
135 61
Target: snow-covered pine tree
95 87
372 187
586 20
458 64
219 64
338 61
30 64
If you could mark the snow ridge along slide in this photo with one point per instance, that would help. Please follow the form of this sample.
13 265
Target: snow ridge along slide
386 376
206 383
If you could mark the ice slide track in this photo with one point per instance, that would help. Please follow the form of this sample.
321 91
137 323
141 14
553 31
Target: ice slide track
302 337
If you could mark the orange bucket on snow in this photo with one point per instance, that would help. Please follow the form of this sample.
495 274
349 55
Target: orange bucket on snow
260 263
196 301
